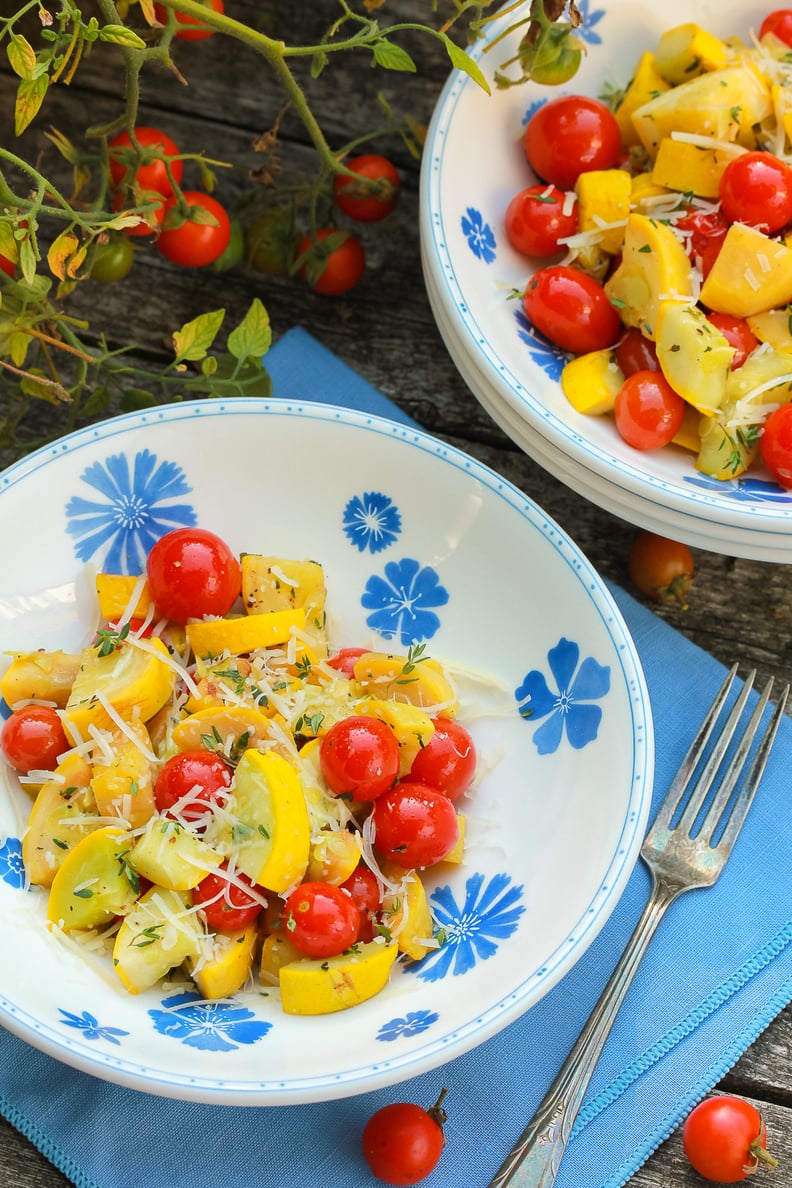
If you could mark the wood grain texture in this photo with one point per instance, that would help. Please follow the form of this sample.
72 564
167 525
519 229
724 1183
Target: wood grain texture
385 330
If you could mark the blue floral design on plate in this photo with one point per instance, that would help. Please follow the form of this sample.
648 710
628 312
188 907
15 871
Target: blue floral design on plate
12 868
135 506
471 932
479 235
403 601
211 1026
550 358
413 1023
89 1026
754 490
372 521
531 111
569 709
585 31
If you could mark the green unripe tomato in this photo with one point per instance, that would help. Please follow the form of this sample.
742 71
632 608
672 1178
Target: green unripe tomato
113 260
271 242
235 251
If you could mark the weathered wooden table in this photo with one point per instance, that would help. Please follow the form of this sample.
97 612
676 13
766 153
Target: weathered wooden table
384 329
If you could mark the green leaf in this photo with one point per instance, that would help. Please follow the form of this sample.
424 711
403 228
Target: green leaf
194 339
209 365
22 56
8 244
392 57
120 35
27 260
252 338
97 402
136 398
30 96
19 343
463 61
318 63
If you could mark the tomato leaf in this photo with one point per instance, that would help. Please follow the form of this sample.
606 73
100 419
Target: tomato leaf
318 63
59 252
19 343
27 260
8 244
29 98
463 61
253 336
392 57
120 35
22 56
192 342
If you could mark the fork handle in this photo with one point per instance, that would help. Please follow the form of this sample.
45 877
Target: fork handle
534 1160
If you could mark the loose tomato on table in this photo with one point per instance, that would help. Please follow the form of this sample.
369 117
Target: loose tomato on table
571 309
190 28
662 569
201 237
569 136
197 778
359 757
756 188
648 412
33 738
779 23
334 261
775 444
414 825
448 761
322 920
537 218
359 201
191 573
151 173
725 1140
402 1142
224 904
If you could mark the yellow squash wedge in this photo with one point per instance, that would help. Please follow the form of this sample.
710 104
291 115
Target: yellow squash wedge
654 267
316 987
136 681
124 785
39 676
158 934
63 813
215 637
171 856
227 968
751 274
421 681
93 884
694 356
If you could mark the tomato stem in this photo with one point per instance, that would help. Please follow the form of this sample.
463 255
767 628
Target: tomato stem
436 1112
760 1156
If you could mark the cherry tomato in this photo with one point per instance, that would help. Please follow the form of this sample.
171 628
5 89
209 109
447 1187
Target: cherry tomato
779 23
152 173
336 261
447 762
552 58
192 573
704 231
569 136
737 333
321 920
360 203
359 757
775 444
193 29
402 1143
661 568
33 738
193 244
150 222
225 905
634 352
235 249
571 309
6 265
724 1139
648 412
537 218
113 260
271 242
199 778
756 188
344 660
414 825
364 888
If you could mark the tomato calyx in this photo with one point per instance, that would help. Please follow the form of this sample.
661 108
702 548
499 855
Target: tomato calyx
438 1114
758 1154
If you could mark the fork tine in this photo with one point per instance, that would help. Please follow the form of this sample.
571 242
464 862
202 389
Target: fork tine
727 781
688 765
714 760
744 800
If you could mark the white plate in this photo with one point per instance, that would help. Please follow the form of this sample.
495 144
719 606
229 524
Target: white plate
477 572
473 165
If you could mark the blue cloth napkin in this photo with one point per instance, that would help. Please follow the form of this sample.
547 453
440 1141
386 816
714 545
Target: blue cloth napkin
717 972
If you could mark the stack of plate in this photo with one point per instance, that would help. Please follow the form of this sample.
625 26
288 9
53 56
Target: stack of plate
473 165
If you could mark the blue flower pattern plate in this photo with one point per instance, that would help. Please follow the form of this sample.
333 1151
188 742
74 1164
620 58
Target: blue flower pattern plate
473 164
421 545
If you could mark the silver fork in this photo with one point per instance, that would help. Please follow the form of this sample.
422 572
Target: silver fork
680 858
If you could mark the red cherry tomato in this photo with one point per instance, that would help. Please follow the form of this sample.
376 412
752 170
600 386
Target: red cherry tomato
33 738
571 309
737 333
364 888
195 244
192 573
344 660
447 762
147 176
724 1139
775 444
634 353
193 29
359 757
6 265
357 201
321 920
704 235
402 1143
224 904
756 188
414 825
198 778
779 23
333 267
648 412
537 218
569 136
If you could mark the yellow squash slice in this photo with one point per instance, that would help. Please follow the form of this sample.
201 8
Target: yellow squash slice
158 934
93 883
316 987
135 681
